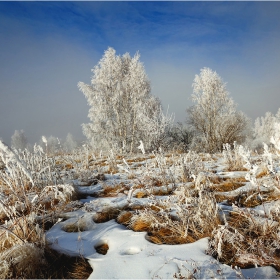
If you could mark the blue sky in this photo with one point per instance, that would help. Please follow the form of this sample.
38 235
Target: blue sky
48 47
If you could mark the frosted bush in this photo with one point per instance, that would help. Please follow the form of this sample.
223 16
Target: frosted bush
31 184
15 167
59 192
235 157
191 165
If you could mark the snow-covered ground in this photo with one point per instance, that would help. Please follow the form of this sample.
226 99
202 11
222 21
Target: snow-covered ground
172 190
130 254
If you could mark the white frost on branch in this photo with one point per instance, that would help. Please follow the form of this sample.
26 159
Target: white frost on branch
141 147
214 116
122 109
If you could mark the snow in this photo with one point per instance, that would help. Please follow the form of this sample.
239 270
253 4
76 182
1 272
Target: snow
132 256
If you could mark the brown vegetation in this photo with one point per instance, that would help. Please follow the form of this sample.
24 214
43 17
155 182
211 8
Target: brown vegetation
114 190
106 215
246 241
226 185
124 217
251 198
102 249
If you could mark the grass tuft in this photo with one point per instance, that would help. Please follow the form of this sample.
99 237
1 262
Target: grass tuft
139 225
124 217
246 241
106 215
102 249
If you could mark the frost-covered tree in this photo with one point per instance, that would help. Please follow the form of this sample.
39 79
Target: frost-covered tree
264 128
122 108
70 144
19 140
214 116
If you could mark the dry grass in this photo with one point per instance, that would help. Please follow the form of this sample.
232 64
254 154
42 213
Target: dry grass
22 261
112 191
226 185
141 194
27 260
136 206
133 160
18 231
188 225
156 191
139 225
60 266
166 236
246 241
68 166
74 227
124 217
80 269
89 179
251 198
262 171
120 157
106 215
136 165
161 191
102 249
101 162
243 241
233 157
112 169
131 176
236 168
156 182
138 186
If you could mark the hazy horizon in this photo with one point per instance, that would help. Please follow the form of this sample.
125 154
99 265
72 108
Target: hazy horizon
48 47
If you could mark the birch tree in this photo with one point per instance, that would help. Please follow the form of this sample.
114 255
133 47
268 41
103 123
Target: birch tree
118 95
214 116
264 128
